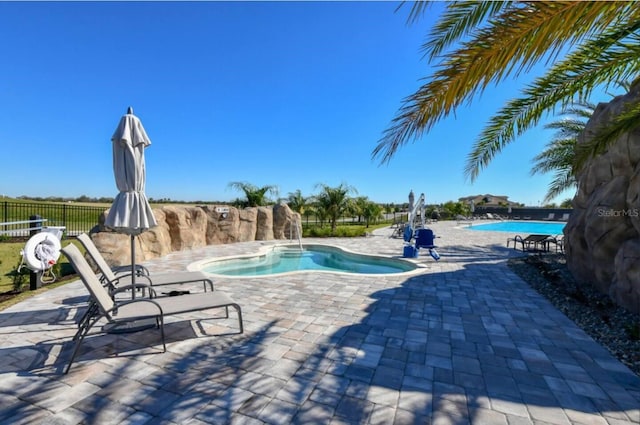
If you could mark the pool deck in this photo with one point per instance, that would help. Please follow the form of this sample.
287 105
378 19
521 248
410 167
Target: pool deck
465 341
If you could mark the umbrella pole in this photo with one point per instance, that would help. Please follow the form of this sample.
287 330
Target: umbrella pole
133 267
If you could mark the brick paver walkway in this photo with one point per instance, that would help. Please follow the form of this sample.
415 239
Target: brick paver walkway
462 341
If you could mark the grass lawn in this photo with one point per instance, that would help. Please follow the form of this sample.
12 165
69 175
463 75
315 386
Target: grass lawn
10 260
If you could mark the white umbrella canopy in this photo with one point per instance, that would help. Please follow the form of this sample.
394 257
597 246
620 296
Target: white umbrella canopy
130 212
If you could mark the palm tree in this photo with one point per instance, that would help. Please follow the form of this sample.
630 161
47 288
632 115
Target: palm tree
371 212
359 205
255 196
559 154
332 202
567 203
296 201
497 40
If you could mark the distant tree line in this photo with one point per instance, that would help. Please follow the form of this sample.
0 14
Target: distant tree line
107 200
82 198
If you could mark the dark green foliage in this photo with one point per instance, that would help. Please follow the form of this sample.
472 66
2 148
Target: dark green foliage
19 276
341 231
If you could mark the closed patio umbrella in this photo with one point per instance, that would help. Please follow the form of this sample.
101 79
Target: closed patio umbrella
130 212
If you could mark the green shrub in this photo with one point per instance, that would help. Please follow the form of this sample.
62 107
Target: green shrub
347 231
22 277
19 276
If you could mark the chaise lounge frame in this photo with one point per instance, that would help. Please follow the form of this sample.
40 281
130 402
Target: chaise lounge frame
138 309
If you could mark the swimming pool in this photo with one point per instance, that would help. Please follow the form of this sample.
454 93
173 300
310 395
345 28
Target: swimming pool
289 258
529 227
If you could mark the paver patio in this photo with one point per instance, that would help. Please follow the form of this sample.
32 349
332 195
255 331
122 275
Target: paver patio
463 341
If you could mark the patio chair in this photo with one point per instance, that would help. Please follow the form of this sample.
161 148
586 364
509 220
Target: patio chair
565 217
551 216
558 241
536 243
425 239
139 309
113 279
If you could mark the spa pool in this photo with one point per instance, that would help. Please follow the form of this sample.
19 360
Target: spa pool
290 258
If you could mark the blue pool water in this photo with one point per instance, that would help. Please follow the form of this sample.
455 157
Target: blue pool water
319 258
529 227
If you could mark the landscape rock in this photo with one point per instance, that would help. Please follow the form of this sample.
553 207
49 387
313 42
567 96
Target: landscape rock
603 232
181 227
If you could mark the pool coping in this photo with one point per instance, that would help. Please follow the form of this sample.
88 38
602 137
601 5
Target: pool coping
265 250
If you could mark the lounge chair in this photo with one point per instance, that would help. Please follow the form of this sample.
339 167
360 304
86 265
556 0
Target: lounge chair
565 217
425 239
462 219
113 279
95 255
118 282
551 216
139 309
398 231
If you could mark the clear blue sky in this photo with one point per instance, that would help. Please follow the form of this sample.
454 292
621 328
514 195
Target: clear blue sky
290 94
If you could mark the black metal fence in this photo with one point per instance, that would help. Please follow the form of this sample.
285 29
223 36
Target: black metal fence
75 218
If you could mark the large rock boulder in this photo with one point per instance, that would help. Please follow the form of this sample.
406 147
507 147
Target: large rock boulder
285 222
187 227
603 232
264 221
181 228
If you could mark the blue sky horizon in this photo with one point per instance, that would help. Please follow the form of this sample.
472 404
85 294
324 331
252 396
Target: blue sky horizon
291 94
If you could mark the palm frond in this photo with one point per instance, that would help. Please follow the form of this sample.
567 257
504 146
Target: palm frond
558 155
566 126
599 61
562 181
418 8
512 41
582 109
626 121
458 20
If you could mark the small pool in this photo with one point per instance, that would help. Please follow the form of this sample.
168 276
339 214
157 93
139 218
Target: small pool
287 259
529 227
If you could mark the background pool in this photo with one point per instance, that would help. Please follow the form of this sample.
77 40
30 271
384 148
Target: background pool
529 227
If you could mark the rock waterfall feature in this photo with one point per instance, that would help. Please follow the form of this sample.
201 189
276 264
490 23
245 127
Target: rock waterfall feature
182 227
